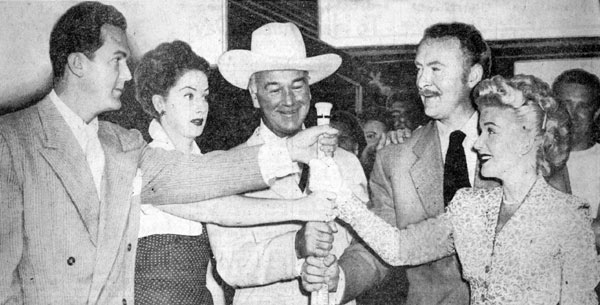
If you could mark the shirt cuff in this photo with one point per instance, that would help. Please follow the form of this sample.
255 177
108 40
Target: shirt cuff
274 161
339 293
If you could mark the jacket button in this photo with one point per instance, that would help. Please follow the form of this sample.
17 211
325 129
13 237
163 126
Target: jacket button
71 261
129 247
124 302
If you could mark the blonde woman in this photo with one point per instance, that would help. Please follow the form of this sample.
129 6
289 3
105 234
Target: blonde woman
522 243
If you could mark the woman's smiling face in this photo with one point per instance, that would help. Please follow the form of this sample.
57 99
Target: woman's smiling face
501 143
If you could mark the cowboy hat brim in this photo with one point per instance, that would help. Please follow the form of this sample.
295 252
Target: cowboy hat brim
237 66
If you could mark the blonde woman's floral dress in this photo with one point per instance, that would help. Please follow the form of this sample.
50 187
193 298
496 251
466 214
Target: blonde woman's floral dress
544 254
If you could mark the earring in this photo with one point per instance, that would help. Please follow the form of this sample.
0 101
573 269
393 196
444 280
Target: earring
162 113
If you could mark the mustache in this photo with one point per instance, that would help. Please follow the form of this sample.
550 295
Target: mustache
427 92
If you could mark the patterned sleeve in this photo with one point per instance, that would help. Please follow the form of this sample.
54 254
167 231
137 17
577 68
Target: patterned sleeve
579 261
423 242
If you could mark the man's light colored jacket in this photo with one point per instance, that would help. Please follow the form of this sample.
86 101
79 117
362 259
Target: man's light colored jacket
260 262
60 244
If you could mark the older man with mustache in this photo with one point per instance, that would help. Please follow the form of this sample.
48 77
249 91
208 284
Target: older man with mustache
415 180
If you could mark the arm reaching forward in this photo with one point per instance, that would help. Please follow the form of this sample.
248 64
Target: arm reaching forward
247 211
423 242
426 241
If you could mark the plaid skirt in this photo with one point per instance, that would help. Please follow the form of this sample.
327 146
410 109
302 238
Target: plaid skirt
171 269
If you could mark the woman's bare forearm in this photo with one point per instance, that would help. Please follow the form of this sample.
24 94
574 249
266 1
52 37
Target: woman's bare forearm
241 210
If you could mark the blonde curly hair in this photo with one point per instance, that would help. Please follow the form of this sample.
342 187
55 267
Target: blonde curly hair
538 112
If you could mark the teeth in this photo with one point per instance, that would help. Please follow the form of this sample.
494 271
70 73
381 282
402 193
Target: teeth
486 157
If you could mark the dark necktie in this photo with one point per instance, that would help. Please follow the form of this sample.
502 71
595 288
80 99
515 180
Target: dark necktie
303 177
456 174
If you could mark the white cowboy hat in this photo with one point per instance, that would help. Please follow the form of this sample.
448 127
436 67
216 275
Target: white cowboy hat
275 46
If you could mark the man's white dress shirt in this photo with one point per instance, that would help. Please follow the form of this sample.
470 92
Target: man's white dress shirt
87 137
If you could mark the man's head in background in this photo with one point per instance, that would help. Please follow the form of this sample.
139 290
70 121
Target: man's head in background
579 91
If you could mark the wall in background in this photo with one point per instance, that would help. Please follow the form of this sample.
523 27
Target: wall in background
352 23
548 70
26 25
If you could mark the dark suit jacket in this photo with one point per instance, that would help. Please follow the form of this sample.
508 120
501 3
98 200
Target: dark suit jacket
406 188
60 244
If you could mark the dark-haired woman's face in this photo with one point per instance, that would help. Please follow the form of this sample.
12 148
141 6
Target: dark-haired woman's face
373 131
185 107
502 144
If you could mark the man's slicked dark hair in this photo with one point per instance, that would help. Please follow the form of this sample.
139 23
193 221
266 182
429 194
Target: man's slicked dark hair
79 30
472 43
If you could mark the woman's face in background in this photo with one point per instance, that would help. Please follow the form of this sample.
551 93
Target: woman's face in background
502 142
373 131
185 106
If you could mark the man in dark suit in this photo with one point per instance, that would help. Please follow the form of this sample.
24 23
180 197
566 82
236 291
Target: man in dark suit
408 183
70 185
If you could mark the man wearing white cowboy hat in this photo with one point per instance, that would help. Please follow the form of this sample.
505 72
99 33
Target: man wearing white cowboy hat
263 262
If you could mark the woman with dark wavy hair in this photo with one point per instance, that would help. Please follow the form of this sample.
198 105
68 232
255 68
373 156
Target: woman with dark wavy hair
522 243
172 262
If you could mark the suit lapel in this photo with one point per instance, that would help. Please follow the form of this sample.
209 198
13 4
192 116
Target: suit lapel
427 172
120 169
62 151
